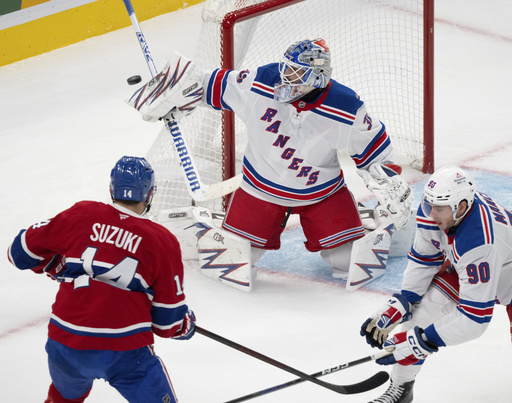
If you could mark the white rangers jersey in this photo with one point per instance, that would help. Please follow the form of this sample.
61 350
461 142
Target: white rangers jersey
480 250
291 156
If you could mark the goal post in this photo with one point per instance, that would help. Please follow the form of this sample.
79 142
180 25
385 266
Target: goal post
382 49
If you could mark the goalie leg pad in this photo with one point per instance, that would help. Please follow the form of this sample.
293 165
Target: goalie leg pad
370 253
223 256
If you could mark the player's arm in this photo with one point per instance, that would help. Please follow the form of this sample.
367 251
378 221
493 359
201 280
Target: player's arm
226 89
370 148
478 272
424 262
171 316
28 252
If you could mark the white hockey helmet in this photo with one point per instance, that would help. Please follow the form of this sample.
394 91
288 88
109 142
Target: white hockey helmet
448 186
305 65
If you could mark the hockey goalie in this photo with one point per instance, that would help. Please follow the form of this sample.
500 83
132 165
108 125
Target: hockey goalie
297 118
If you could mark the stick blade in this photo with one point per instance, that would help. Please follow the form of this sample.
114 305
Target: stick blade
368 384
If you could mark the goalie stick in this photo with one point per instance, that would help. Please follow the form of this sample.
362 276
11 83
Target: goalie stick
196 188
363 386
327 371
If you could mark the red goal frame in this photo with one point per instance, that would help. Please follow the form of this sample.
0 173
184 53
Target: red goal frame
227 52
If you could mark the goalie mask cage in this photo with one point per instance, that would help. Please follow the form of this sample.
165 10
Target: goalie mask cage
382 49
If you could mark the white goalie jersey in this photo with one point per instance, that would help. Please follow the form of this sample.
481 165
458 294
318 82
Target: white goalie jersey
480 250
291 158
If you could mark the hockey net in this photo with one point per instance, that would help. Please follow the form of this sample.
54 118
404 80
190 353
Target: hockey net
378 48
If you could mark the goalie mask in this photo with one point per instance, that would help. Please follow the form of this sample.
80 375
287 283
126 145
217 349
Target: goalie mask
306 65
448 186
132 178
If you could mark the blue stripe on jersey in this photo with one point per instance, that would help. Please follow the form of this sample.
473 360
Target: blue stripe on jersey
433 336
426 260
165 316
480 312
428 227
21 257
262 92
307 191
411 296
332 116
374 149
480 223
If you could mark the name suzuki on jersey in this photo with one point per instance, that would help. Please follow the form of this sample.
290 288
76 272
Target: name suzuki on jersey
116 236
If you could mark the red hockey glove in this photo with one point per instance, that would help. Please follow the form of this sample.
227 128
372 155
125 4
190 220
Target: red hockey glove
54 267
188 327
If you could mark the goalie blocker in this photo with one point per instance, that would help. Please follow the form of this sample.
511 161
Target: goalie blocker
223 256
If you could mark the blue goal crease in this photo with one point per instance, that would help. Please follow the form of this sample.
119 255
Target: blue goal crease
294 259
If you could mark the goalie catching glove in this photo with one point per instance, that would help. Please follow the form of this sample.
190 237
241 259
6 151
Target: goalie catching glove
391 191
376 328
173 93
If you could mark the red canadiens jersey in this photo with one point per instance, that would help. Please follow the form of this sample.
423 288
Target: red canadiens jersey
123 278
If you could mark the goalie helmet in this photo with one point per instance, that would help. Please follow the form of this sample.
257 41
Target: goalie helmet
132 178
448 186
305 65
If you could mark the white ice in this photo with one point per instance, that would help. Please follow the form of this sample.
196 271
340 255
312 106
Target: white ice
64 124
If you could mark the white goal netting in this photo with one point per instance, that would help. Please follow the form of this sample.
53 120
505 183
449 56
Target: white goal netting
376 49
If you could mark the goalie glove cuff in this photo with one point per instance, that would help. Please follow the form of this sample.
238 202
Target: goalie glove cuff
392 192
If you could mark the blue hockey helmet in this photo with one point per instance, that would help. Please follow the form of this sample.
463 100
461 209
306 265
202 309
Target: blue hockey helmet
305 65
132 178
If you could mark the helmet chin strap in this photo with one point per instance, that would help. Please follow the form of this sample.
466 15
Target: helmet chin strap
458 220
148 202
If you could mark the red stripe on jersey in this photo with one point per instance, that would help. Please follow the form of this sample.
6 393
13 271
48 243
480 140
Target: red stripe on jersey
217 88
339 112
383 138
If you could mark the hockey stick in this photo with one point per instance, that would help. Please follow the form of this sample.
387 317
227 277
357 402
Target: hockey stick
337 368
364 386
196 188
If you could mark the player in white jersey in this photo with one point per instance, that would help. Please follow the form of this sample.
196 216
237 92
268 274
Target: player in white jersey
297 118
459 267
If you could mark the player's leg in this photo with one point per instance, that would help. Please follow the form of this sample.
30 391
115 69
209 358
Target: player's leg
434 305
69 385
54 396
256 220
330 226
141 377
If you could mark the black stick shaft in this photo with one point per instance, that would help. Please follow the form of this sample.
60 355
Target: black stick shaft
377 380
300 380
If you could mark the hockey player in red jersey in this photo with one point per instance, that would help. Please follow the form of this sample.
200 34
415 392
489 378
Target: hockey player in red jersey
459 267
121 282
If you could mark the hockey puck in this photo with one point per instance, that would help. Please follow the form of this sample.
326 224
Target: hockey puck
134 80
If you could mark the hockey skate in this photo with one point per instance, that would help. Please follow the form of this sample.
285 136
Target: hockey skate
397 394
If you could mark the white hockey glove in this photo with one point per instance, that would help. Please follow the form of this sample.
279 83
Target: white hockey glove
391 191
377 327
173 93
